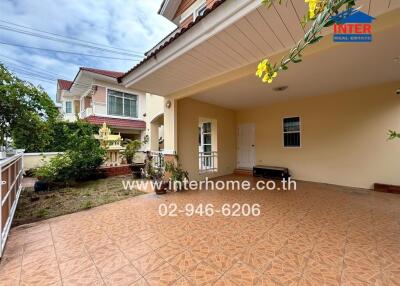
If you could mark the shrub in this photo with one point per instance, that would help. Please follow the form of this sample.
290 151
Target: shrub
55 170
131 148
176 171
80 161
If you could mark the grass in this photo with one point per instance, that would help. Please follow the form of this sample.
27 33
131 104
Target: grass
34 206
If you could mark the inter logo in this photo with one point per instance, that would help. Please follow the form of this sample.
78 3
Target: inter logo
352 26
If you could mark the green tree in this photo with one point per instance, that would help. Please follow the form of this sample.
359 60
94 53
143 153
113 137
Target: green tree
82 158
25 112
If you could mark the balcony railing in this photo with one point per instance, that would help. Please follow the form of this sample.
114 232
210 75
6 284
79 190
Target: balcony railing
86 112
208 161
11 186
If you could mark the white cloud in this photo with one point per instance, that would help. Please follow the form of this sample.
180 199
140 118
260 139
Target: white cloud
132 25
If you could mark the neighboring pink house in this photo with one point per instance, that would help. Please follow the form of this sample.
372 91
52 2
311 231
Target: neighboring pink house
96 96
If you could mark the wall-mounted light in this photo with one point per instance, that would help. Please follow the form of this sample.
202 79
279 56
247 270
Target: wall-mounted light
168 104
280 88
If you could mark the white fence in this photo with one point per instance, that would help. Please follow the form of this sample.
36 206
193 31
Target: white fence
11 170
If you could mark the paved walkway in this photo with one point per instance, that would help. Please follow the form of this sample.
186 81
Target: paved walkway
317 235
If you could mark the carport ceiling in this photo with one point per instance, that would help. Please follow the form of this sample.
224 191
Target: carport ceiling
344 67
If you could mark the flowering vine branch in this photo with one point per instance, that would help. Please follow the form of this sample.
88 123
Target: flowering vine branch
320 13
393 135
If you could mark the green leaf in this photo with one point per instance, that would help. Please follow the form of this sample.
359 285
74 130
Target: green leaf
296 60
316 39
329 23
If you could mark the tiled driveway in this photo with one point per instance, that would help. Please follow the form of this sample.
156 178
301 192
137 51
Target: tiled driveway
317 235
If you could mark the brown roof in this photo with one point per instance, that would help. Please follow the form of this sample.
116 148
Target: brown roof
113 74
168 41
64 84
117 122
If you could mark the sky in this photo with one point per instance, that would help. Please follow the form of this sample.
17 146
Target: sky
131 25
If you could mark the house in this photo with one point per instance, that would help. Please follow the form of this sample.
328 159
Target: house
97 97
326 119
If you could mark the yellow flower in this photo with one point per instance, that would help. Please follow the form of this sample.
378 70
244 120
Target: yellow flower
262 67
313 8
269 78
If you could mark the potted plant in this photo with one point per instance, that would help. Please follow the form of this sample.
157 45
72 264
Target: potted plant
131 149
156 175
177 174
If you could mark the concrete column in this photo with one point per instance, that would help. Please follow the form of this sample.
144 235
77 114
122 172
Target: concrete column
153 136
170 126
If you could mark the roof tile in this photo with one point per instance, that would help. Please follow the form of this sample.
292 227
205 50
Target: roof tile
64 84
117 122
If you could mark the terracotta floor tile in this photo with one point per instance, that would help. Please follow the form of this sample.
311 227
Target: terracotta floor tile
38 244
317 273
184 262
89 276
169 251
220 261
148 263
366 275
318 235
140 282
75 265
241 274
201 250
40 274
156 242
283 271
164 275
107 265
137 251
10 276
391 278
65 254
124 276
40 256
203 274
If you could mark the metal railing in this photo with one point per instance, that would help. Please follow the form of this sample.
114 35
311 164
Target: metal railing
86 112
11 185
157 159
208 161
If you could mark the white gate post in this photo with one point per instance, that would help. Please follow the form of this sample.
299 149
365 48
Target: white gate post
1 213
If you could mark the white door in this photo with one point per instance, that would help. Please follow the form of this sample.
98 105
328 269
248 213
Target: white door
246 148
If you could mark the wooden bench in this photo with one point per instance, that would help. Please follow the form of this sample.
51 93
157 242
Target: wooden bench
270 172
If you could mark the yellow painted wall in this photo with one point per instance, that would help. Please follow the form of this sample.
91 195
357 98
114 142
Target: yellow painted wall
189 112
344 136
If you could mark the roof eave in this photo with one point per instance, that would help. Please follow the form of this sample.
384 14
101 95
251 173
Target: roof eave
168 9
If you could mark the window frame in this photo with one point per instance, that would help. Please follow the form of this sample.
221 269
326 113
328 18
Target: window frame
290 132
202 144
202 134
122 115
70 107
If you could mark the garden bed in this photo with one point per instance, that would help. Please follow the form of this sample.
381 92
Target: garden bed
34 206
